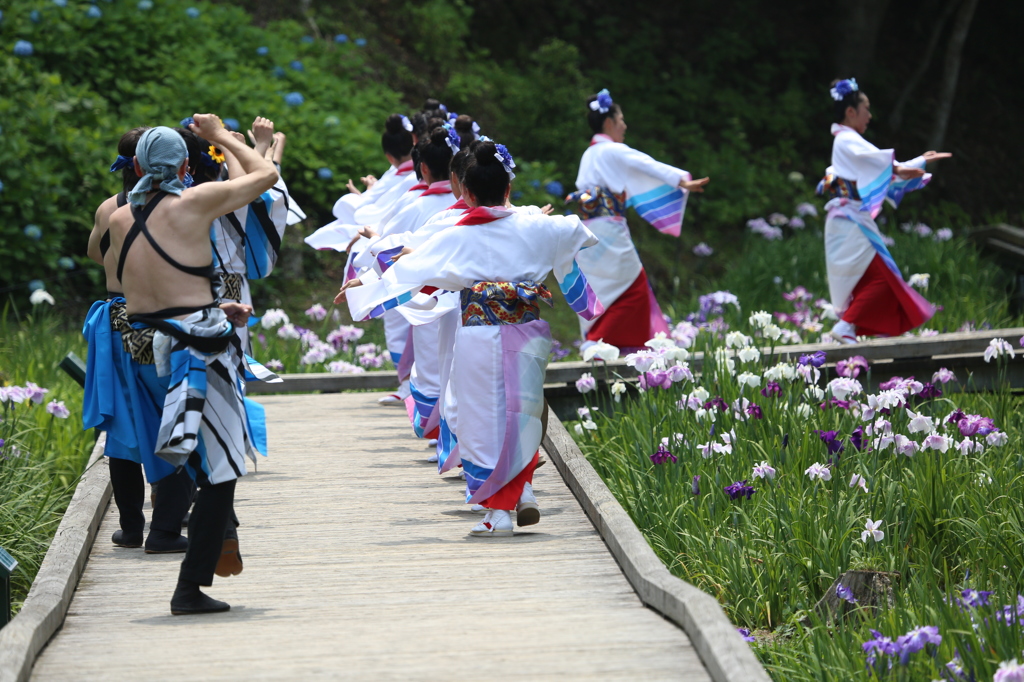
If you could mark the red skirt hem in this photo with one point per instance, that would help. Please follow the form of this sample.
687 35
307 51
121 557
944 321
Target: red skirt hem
884 305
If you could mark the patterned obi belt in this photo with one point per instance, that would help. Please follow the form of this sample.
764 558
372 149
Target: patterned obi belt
231 286
137 343
598 202
834 187
494 303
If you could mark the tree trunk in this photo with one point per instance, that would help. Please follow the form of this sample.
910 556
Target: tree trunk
859 24
951 72
871 589
896 119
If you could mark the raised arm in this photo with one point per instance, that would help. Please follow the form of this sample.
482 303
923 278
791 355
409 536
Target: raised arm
214 199
96 235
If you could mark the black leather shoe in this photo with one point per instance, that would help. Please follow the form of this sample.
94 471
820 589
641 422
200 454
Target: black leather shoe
185 606
163 542
130 540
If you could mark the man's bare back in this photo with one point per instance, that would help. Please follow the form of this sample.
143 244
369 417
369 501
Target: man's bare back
180 225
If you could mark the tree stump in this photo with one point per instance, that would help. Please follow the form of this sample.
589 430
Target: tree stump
871 589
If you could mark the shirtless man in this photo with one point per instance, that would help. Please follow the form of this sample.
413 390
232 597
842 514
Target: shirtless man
107 404
181 331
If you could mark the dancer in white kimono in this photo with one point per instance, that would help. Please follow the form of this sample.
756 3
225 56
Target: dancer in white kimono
497 260
435 155
612 178
867 288
356 209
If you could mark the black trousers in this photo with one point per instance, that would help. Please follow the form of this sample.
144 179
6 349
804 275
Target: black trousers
212 515
129 493
173 497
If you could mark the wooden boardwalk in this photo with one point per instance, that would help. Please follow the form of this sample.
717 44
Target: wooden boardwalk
358 566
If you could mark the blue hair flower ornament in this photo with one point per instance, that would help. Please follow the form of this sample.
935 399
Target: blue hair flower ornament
603 103
186 122
121 162
844 88
502 154
406 123
453 140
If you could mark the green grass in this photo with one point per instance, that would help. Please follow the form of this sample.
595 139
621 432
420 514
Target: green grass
42 456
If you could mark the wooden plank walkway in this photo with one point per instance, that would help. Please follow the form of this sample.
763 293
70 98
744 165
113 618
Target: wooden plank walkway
358 566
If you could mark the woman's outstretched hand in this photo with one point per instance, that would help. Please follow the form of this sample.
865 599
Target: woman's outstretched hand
340 298
694 185
908 172
935 156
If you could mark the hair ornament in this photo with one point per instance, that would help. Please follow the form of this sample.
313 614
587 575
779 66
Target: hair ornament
186 122
443 109
484 138
603 103
843 88
189 180
121 162
452 116
406 123
453 140
502 154
476 129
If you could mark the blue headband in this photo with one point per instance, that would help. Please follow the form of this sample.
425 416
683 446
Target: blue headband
121 162
160 153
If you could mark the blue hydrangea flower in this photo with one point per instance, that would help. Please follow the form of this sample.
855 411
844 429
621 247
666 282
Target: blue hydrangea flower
278 72
294 99
262 50
231 123
555 187
36 285
93 12
535 184
360 42
325 174
145 5
1 15
61 3
34 16
66 263
33 232
341 38
192 12
516 195
1 185
332 121
297 65
307 39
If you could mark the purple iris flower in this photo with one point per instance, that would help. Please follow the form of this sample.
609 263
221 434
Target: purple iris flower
662 456
892 383
695 485
745 634
879 645
656 378
976 425
857 438
833 444
785 441
843 404
975 598
851 367
815 359
771 389
916 640
716 402
930 390
845 593
956 417
755 411
739 489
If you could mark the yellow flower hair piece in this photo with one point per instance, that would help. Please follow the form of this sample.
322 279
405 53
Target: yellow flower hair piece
215 155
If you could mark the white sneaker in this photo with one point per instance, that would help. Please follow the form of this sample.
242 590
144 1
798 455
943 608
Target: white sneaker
432 457
844 332
397 398
497 523
462 474
432 443
527 511
478 508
